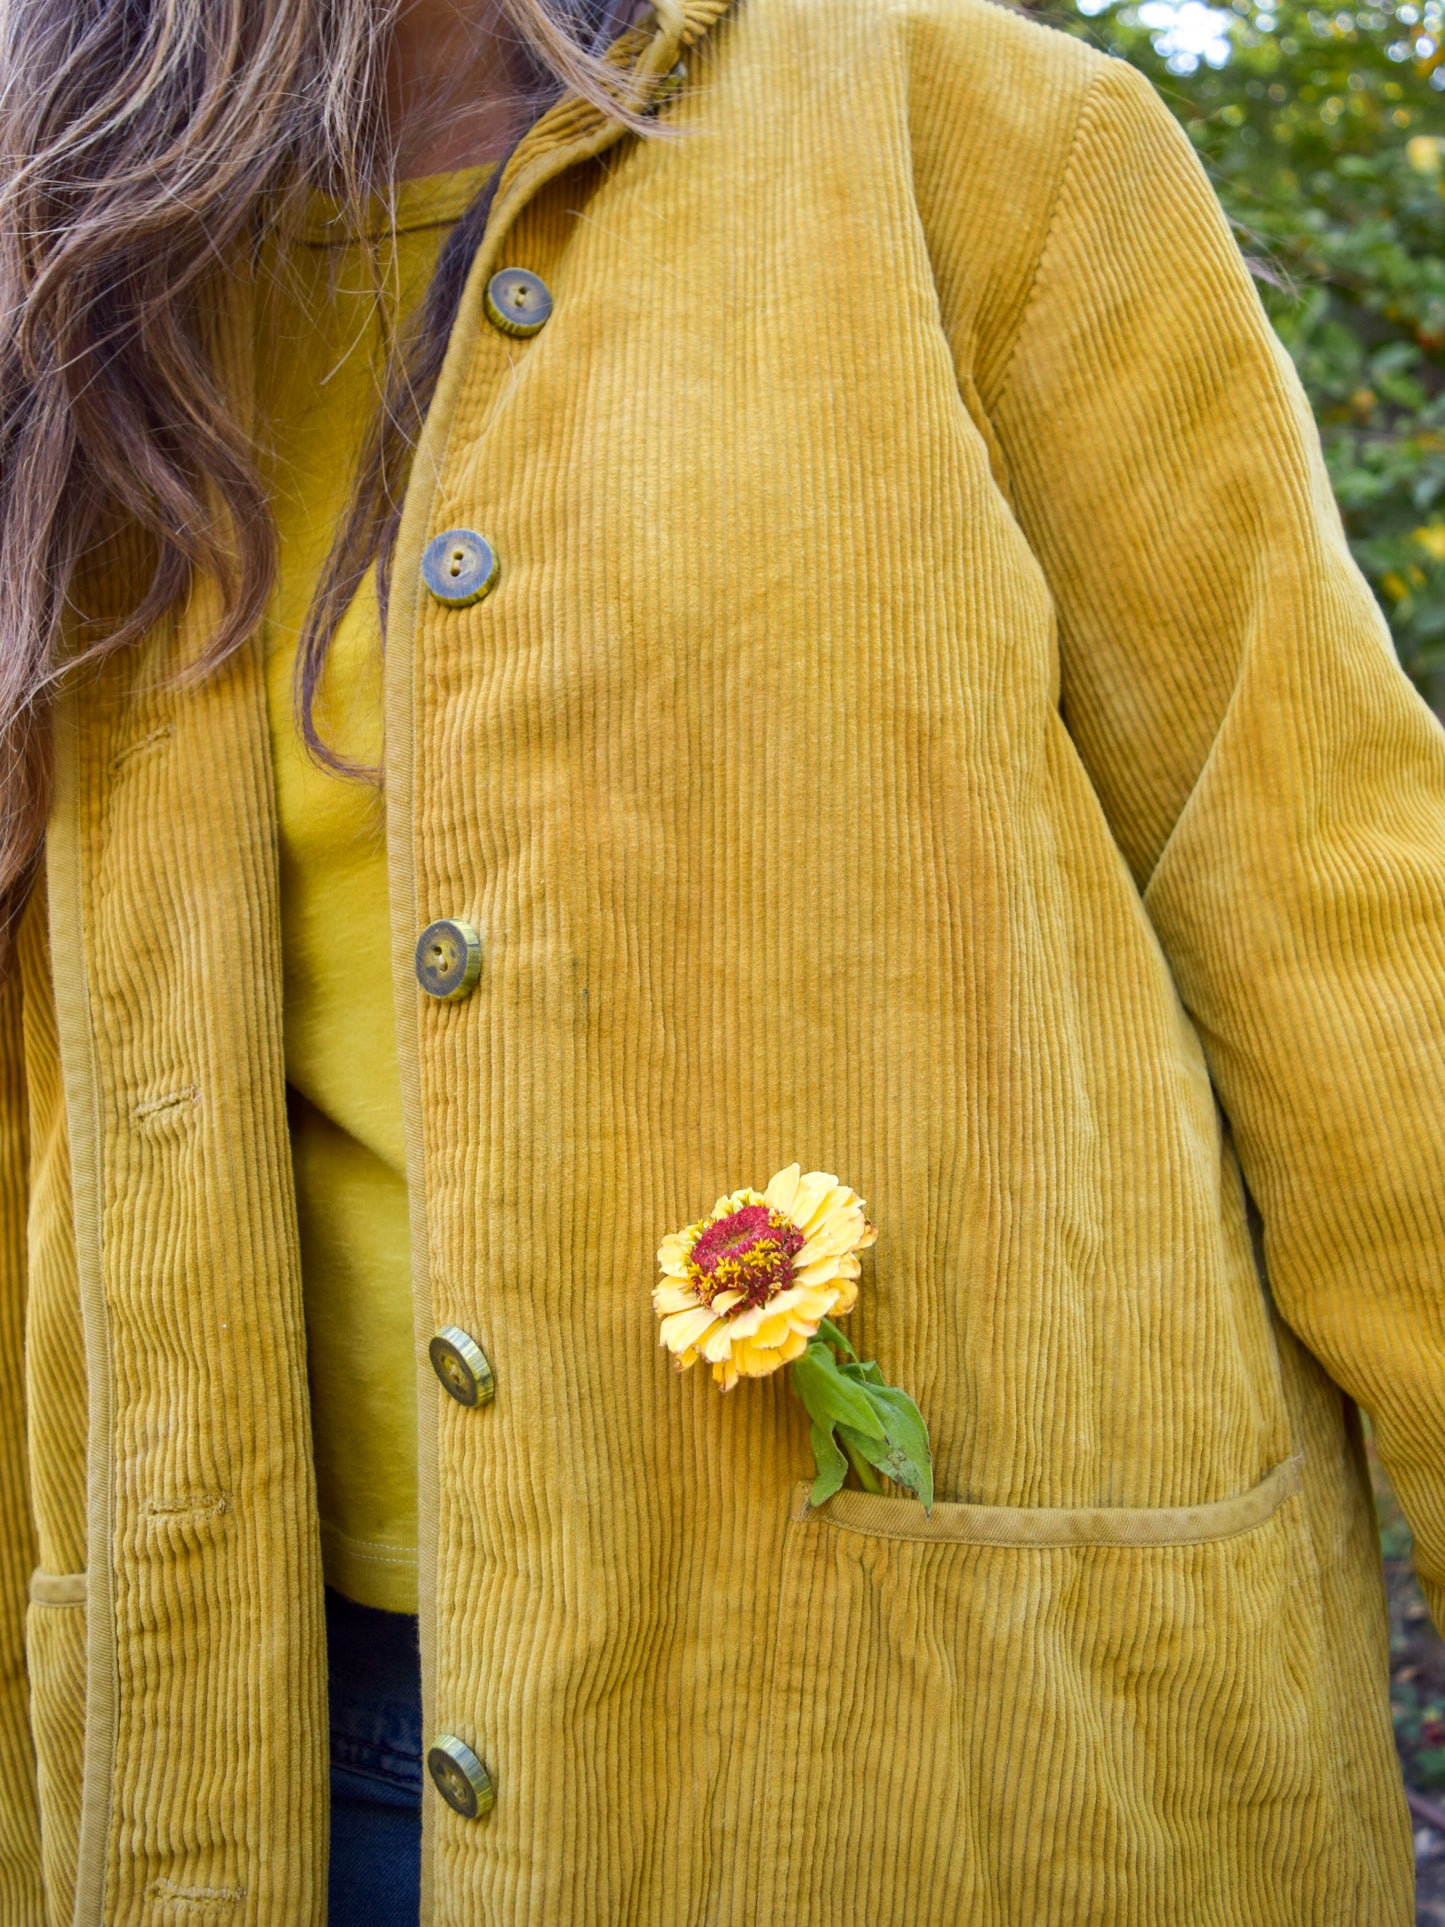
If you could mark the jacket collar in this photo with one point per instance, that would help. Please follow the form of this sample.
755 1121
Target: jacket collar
574 130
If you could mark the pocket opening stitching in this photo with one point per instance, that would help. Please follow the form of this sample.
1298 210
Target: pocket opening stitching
1054 1527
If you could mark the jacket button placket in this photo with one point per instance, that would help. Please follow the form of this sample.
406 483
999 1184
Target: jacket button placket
460 568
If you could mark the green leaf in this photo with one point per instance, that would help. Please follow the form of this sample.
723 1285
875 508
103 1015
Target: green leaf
875 1451
864 1370
880 1426
911 1458
830 1398
831 1464
903 1455
892 1464
831 1335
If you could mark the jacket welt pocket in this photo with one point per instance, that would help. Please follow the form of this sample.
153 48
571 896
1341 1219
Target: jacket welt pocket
876 1517
1152 1676
57 1588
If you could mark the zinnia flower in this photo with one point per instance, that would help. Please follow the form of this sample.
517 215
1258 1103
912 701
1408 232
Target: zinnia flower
747 1287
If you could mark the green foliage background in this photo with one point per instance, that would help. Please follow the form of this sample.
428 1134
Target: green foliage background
1324 134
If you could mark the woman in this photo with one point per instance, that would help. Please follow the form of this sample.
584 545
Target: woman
873 679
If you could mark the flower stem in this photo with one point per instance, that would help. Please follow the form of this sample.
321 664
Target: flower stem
867 1477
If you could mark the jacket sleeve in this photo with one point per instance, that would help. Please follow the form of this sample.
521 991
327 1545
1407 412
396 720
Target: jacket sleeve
1274 781
21 1900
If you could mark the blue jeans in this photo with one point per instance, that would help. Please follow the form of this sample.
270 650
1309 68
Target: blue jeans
374 1678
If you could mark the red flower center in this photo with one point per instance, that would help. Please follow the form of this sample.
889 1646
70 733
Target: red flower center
751 1250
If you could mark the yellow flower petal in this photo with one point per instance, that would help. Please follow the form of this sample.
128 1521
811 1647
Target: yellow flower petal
755 1364
718 1343
812 1307
821 1273
734 1201
843 1202
746 1322
839 1206
770 1333
805 1328
782 1189
813 1187
681 1329
755 1361
673 1255
670 1297
837 1232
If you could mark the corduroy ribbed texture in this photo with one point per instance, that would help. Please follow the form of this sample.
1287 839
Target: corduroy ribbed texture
55 1655
190 1768
20 1873
928 726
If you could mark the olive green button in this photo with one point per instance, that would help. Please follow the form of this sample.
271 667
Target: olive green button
448 959
461 1365
460 567
518 302
459 1777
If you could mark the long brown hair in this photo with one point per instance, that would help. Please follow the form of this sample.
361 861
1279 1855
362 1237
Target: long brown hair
141 143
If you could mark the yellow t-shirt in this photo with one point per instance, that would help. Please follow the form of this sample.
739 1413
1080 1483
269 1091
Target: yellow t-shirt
318 353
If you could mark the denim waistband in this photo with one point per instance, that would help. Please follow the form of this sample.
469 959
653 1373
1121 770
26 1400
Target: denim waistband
374 1680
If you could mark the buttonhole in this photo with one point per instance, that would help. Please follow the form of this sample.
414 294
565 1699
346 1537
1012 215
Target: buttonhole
206 1505
196 1900
160 1107
142 746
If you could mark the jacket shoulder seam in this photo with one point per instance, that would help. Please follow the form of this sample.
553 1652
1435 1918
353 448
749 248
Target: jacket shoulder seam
1066 169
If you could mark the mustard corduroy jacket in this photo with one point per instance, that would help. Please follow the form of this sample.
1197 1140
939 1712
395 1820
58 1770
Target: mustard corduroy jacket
927 725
